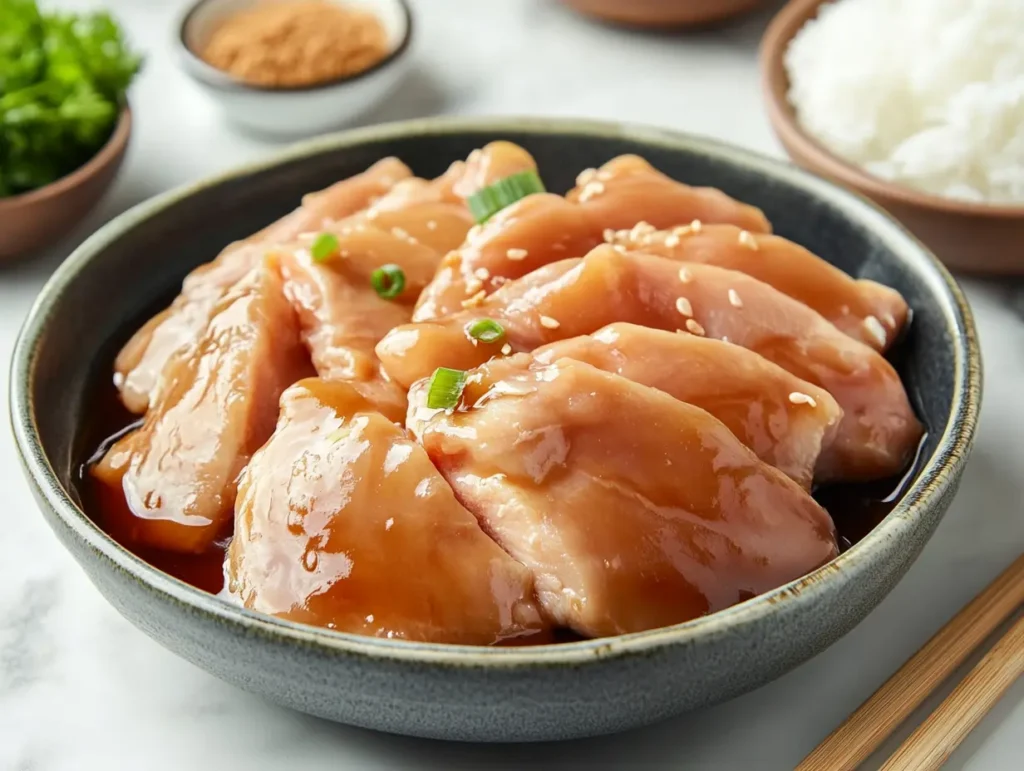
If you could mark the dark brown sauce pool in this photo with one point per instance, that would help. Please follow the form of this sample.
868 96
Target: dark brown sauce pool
856 509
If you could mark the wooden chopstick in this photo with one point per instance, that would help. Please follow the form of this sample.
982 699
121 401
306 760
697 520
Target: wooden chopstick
860 734
934 740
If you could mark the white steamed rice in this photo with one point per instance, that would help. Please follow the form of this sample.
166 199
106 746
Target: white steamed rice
928 93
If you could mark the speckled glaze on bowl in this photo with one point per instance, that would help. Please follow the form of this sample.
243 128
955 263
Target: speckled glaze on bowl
484 694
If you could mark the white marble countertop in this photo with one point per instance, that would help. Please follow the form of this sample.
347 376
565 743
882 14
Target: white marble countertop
81 689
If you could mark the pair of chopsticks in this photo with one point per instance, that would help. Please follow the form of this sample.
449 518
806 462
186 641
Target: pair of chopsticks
934 740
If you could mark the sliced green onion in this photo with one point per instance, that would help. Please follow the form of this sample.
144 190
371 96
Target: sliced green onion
486 330
388 281
324 246
485 203
445 388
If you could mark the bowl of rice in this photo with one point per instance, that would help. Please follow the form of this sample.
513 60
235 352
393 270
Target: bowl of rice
919 105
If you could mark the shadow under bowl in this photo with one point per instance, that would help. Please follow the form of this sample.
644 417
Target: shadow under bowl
36 219
968 237
547 692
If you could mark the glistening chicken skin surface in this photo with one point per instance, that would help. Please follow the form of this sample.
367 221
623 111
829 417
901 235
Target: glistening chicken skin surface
343 522
865 310
139 366
628 190
171 483
633 509
876 438
786 421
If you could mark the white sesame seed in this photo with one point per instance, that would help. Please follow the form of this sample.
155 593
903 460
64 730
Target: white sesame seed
474 285
874 328
734 299
482 273
685 276
889 320
474 300
550 323
684 307
592 190
399 233
696 226
431 225
619 248
747 240
694 327
800 398
506 349
672 241
609 235
585 177
639 229
682 230
516 254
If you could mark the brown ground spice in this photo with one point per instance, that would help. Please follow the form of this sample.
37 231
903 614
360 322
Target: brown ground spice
297 43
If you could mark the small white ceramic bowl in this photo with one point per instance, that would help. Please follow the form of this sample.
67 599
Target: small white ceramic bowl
302 110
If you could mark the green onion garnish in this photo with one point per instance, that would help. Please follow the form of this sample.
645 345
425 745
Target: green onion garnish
486 330
485 203
445 388
324 246
388 281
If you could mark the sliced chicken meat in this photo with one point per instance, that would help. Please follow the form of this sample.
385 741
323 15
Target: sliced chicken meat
532 232
878 433
865 310
139 366
786 421
171 484
341 315
628 190
633 509
492 162
343 522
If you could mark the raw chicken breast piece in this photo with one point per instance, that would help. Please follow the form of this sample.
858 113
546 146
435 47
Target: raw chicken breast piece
633 509
865 310
140 363
876 438
532 232
343 522
171 484
628 190
786 421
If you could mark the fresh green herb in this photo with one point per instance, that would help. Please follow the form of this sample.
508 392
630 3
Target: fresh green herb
63 79
388 281
485 203
325 245
486 330
445 388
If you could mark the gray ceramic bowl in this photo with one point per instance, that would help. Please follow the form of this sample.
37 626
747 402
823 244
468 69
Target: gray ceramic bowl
134 264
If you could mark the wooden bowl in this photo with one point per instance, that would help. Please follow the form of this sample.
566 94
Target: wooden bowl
38 218
969 237
663 13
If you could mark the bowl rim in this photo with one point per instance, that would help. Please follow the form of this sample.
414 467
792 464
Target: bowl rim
939 472
113 147
216 78
775 85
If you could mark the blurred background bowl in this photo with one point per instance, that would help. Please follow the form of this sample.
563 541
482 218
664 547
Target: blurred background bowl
36 219
969 237
663 13
293 111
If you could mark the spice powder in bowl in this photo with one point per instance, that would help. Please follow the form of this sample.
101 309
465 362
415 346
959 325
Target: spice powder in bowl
295 44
